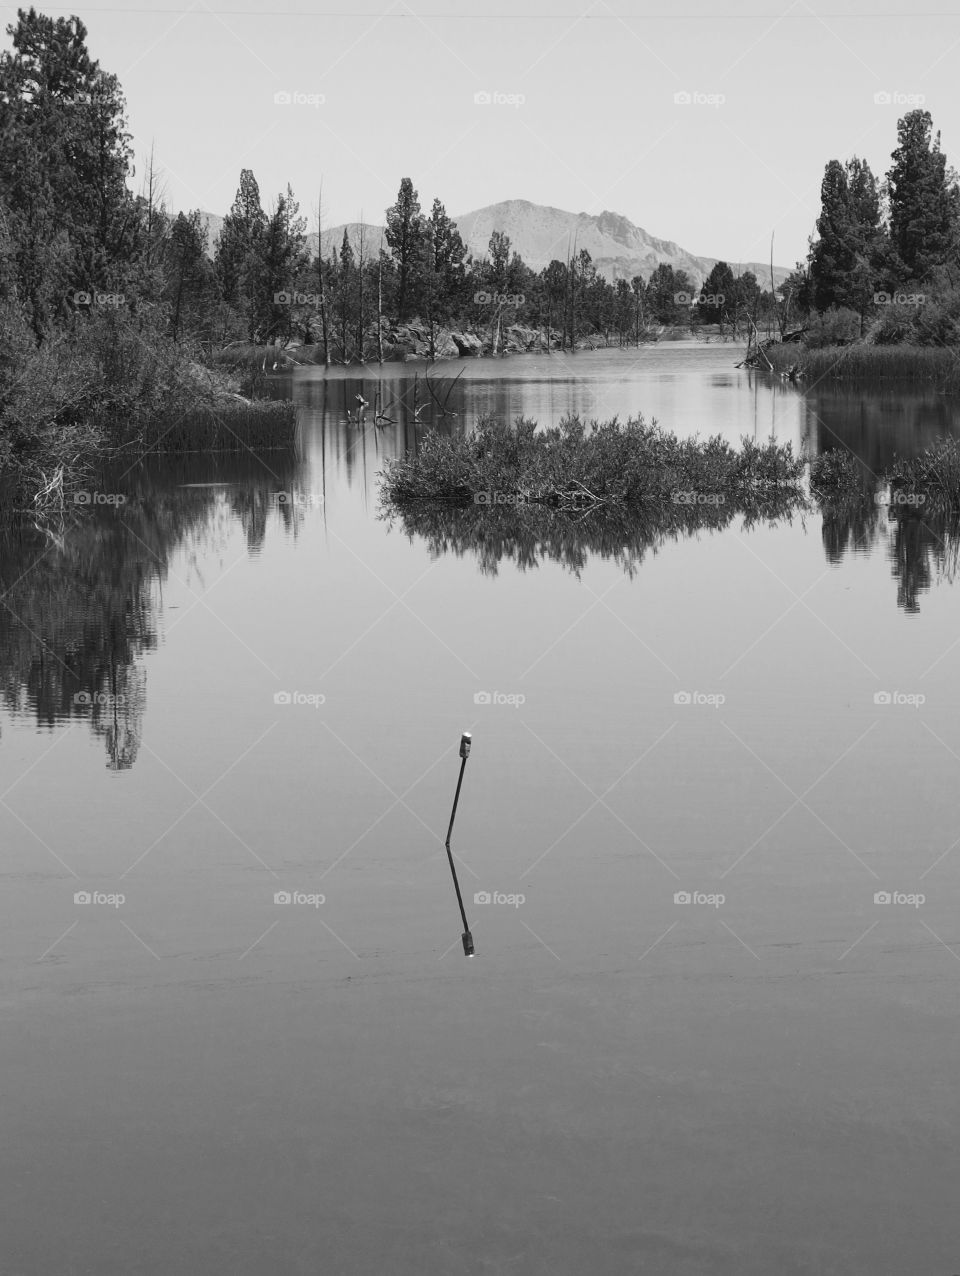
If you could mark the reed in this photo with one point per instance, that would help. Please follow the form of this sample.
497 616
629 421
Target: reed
228 427
868 364
931 479
575 465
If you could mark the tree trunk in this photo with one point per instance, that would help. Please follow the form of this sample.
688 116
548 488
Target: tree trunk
323 305
360 296
380 302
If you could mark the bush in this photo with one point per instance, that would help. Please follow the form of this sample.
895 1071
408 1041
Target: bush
835 327
836 475
630 464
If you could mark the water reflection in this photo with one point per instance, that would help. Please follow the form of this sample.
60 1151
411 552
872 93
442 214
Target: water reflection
80 602
532 534
80 598
877 426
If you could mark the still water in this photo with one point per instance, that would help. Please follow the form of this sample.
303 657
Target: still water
690 1042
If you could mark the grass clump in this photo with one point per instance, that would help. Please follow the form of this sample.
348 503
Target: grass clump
932 477
575 465
863 363
836 476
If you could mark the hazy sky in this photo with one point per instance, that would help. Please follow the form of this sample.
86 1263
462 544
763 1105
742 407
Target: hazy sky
597 128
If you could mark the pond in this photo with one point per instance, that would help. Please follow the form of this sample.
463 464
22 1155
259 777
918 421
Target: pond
706 840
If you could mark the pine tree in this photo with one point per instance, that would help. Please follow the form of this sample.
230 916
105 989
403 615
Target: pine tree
924 204
405 235
719 288
846 259
235 255
64 162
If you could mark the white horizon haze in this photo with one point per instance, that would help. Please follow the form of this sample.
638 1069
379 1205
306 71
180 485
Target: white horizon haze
708 126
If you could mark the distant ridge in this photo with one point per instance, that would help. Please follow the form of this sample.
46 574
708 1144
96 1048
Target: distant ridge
619 249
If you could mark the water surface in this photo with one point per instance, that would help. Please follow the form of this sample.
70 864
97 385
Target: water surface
200 1077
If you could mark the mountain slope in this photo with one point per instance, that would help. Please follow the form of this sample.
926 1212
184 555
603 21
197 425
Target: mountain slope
619 249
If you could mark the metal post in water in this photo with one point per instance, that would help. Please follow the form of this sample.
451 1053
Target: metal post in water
465 741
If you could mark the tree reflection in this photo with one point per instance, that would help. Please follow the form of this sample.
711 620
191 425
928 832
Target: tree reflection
80 601
527 535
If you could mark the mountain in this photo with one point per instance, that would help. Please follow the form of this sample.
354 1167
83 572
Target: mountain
618 248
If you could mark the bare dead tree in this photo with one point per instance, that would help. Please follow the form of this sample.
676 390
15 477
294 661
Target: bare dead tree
323 305
380 301
360 289
154 193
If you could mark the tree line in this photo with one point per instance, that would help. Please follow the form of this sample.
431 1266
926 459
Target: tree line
78 245
885 260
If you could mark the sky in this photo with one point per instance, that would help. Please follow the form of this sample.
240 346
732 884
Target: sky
578 107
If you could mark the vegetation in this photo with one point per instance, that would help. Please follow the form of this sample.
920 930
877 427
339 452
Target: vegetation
932 477
884 266
574 465
865 363
837 476
82 593
103 296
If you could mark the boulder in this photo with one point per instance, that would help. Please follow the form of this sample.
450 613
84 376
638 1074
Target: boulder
467 344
